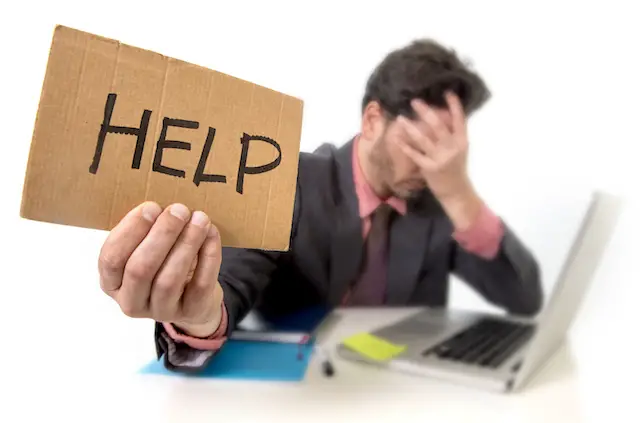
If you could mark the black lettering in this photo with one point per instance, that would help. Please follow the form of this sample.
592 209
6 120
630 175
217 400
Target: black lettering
244 170
106 127
200 176
164 143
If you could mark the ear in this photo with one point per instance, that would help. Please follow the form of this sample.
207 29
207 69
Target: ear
373 121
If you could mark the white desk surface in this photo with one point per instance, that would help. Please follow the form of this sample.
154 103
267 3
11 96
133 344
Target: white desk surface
579 384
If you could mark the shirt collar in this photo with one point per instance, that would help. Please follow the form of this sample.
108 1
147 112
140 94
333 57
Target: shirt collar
368 201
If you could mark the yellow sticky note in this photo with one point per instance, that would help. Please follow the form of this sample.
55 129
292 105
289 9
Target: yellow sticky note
373 347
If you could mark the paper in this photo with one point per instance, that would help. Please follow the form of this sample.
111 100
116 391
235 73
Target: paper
118 125
373 347
266 361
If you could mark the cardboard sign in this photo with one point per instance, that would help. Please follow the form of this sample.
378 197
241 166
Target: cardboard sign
118 125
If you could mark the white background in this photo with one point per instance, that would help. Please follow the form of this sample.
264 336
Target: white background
565 82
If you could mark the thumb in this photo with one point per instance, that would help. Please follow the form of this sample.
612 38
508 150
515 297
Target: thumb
200 292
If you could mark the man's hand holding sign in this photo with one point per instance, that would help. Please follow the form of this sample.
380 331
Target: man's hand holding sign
163 265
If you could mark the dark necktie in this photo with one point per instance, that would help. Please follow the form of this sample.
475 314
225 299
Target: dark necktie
372 283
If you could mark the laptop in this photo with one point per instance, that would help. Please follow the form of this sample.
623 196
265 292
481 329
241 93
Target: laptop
500 352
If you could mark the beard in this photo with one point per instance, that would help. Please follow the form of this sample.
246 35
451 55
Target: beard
382 163
385 168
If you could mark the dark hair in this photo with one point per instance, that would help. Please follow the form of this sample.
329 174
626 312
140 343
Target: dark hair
423 69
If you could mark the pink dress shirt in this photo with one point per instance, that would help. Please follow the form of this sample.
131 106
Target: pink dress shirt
483 239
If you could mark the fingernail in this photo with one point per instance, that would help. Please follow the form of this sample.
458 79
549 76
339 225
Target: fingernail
180 211
200 219
151 211
213 232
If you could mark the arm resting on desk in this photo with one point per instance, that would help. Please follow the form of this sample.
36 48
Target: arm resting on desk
495 262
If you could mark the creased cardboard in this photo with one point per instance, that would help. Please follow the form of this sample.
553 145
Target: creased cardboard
118 125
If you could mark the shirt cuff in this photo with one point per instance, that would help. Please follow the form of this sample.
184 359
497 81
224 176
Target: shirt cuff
212 343
484 237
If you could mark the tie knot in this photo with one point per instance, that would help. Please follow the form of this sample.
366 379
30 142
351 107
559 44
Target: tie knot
384 209
382 215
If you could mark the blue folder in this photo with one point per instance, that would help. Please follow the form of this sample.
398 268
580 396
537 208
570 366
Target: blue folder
257 360
269 361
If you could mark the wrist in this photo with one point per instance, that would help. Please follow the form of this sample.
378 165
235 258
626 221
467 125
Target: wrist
203 330
463 207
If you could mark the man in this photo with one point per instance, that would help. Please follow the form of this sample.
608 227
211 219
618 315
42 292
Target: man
382 220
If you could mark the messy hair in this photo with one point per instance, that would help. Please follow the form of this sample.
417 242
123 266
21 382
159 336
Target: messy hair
423 69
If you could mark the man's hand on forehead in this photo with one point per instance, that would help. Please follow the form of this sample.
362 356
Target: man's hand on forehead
433 143
439 148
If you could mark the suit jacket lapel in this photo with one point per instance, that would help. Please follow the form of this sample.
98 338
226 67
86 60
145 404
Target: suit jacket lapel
346 241
409 245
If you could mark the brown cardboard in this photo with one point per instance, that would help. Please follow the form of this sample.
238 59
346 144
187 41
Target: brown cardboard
86 74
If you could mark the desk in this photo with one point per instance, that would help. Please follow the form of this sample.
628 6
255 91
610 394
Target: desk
564 392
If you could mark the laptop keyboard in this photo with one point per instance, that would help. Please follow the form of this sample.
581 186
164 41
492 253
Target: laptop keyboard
486 343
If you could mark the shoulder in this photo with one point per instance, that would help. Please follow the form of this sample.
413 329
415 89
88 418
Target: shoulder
318 180
322 155
317 168
314 182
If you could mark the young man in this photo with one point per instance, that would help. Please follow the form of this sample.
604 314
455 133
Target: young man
382 220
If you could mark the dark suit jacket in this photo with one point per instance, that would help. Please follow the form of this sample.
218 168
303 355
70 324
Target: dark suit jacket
325 254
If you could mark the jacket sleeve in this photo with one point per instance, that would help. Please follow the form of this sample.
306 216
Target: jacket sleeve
503 270
244 274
